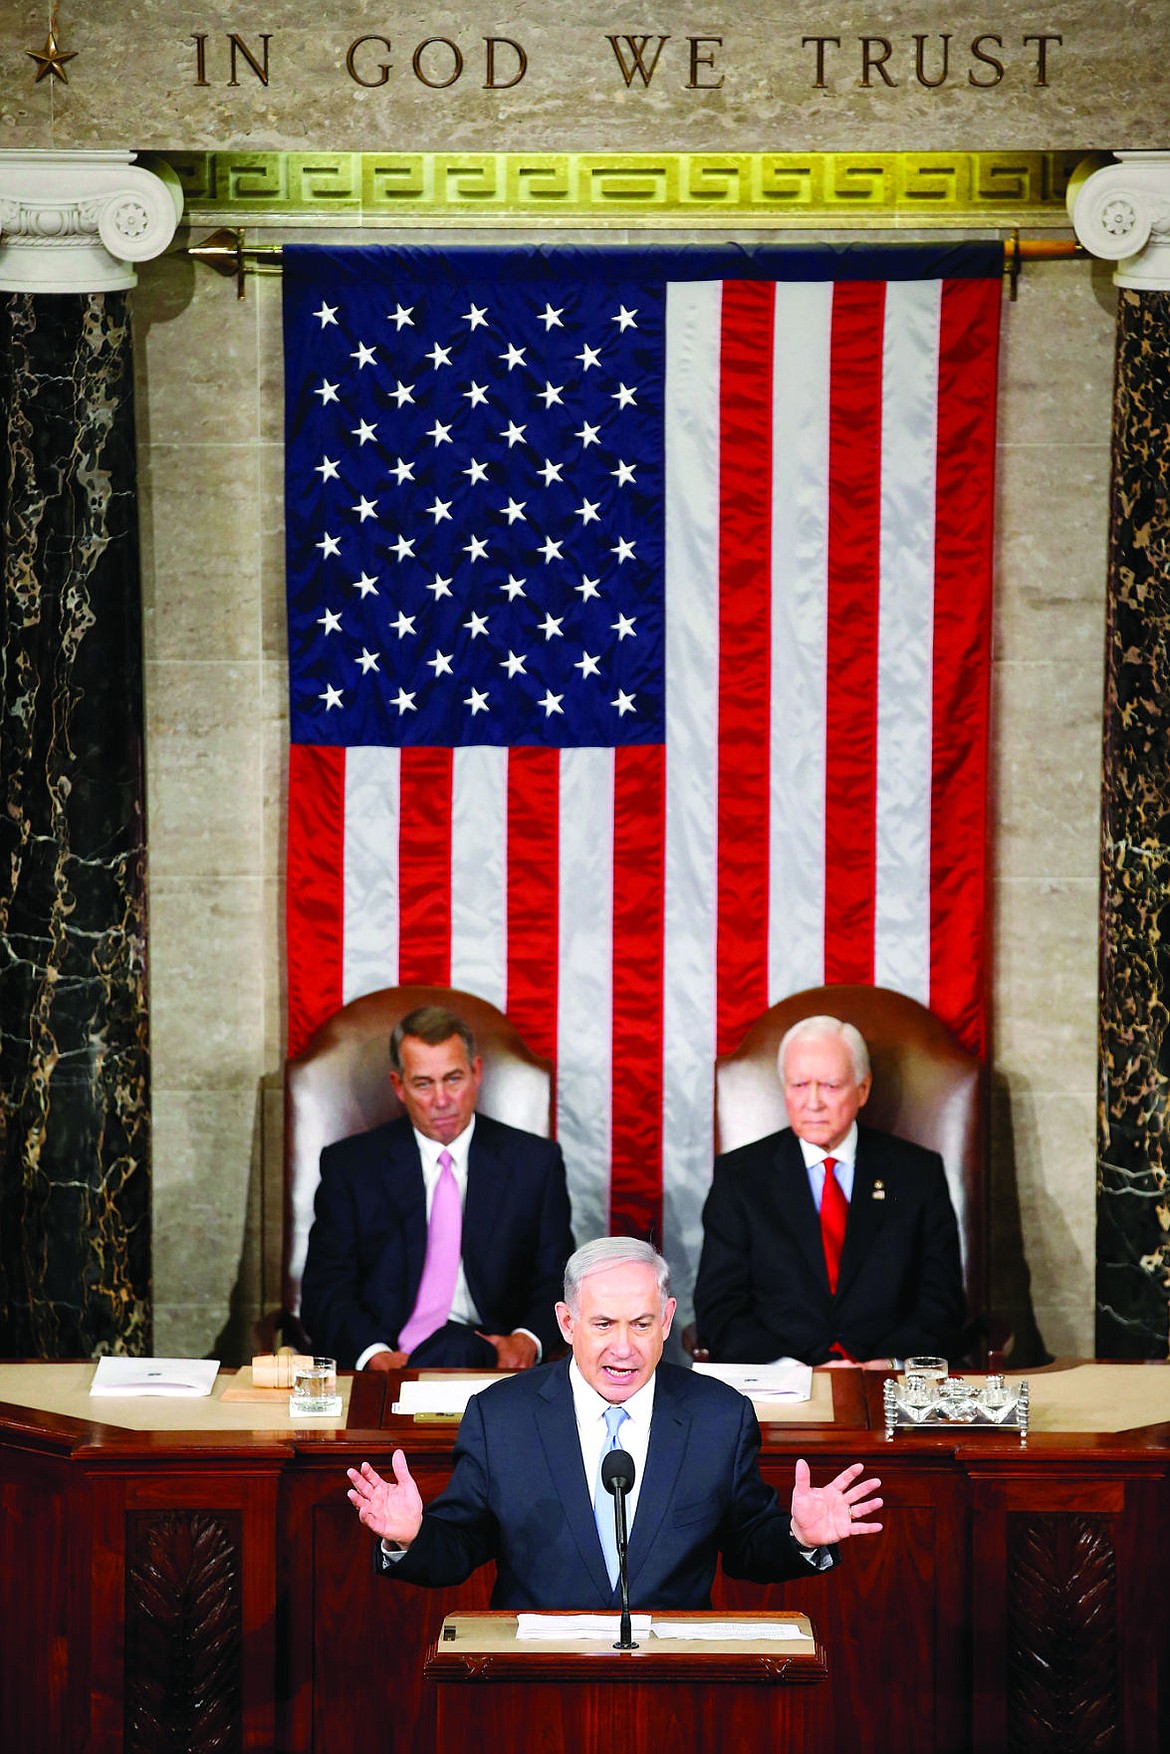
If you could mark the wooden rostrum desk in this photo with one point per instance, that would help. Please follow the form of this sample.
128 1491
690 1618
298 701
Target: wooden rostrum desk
208 1585
494 1689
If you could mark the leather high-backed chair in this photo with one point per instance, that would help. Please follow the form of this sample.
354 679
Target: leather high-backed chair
926 1087
339 1084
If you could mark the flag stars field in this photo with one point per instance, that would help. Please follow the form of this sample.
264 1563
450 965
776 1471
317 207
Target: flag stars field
494 423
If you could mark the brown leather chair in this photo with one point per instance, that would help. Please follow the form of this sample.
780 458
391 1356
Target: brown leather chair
926 1087
339 1084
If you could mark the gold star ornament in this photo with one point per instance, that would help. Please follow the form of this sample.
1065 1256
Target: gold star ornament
52 58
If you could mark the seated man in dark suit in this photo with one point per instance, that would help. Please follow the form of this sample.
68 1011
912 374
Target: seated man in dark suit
526 1490
828 1240
440 1237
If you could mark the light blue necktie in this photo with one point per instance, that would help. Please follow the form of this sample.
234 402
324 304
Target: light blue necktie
603 1500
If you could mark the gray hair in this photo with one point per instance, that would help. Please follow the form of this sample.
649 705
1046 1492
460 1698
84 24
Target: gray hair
433 1024
823 1029
612 1251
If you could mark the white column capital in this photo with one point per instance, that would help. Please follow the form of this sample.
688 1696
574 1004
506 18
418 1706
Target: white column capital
78 221
1121 211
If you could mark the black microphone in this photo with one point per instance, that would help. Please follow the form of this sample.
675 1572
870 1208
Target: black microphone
617 1476
617 1471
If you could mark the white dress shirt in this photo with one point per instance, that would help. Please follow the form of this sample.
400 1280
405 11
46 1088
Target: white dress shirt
633 1433
845 1158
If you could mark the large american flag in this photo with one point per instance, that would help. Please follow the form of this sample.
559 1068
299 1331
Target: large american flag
639 611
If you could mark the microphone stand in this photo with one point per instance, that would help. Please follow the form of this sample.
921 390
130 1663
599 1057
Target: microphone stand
625 1634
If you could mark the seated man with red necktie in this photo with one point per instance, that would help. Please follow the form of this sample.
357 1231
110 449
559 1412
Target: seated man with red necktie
440 1238
828 1241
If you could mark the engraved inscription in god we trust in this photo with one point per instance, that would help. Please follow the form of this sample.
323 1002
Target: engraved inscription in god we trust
840 63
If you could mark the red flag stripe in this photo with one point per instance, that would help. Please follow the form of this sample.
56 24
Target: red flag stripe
745 593
639 872
968 347
314 914
424 867
855 450
533 915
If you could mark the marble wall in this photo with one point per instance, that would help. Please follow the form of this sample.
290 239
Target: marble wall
209 388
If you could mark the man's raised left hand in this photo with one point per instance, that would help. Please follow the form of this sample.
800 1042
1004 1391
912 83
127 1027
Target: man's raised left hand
824 1515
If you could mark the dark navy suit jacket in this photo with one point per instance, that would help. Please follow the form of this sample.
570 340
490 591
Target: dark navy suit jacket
369 1236
518 1495
763 1291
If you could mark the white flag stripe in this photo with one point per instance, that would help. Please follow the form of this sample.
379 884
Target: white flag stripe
370 878
905 627
800 546
585 1072
692 658
479 873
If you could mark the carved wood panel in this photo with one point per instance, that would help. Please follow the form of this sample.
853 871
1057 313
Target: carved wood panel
184 1645
1063 1680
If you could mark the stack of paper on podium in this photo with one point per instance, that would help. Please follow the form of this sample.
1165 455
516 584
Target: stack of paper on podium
782 1382
154 1376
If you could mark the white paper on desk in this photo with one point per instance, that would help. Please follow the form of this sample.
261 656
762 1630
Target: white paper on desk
745 1631
786 1379
578 1625
190 1377
448 1395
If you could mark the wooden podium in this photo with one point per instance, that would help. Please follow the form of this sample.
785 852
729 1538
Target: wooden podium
496 1691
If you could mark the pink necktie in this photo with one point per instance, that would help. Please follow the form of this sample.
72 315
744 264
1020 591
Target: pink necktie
436 1288
834 1213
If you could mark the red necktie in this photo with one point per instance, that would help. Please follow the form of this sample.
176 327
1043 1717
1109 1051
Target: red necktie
834 1212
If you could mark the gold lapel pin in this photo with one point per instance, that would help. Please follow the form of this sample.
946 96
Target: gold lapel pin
879 1190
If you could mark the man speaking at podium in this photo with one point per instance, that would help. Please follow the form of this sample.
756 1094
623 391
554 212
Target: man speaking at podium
527 1470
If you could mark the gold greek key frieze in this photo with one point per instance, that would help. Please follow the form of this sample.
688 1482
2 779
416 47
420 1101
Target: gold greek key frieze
908 188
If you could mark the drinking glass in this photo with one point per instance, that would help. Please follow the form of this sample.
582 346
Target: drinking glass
924 1378
314 1391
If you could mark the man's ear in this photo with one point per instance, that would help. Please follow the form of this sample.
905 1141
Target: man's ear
863 1090
565 1321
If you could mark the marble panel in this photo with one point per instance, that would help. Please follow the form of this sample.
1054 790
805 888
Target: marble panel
207 983
275 984
273 1192
195 356
1052 527
1133 1231
274 708
205 774
1054 1158
74 1059
193 1330
750 79
1056 364
1047 793
1045 998
26 104
1068 1332
200 520
200 1219
265 290
273 624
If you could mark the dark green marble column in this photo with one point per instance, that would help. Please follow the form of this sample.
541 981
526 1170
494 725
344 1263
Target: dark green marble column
74 1092
1133 1180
